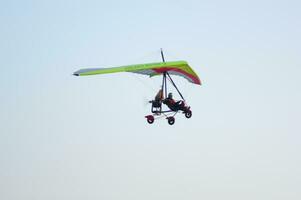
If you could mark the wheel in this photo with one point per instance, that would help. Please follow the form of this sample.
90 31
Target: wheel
188 114
150 120
171 120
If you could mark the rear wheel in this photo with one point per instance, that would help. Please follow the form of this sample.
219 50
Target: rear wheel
150 120
171 120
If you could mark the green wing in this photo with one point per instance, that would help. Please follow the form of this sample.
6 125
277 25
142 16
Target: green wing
180 68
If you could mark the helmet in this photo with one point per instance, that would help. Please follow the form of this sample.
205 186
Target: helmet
170 95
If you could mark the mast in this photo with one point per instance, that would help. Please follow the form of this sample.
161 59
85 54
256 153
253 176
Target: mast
164 83
162 55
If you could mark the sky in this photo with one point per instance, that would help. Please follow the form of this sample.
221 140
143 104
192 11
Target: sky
67 137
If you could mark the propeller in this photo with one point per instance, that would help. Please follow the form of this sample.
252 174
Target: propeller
145 101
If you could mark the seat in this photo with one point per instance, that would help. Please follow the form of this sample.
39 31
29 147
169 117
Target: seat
156 106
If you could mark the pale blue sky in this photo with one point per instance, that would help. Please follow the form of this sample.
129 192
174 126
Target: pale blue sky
66 137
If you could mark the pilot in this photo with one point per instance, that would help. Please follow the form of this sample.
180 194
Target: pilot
174 105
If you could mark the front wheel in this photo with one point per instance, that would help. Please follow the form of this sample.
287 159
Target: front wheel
188 114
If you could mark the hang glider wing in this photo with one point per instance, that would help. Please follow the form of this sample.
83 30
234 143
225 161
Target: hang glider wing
180 68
